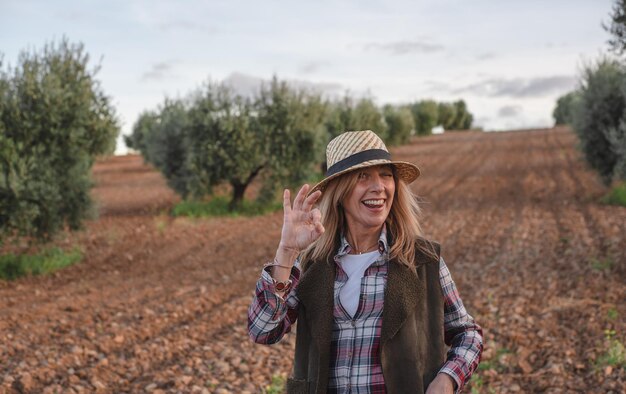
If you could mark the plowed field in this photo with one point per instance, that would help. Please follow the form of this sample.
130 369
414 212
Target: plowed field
158 304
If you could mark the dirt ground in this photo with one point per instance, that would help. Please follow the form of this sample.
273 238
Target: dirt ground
159 304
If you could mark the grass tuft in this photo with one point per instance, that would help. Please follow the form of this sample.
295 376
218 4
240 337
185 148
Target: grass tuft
15 266
495 363
615 354
277 386
616 196
218 206
612 314
601 264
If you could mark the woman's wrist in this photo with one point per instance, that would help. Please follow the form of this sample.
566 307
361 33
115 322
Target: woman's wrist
284 260
286 255
288 249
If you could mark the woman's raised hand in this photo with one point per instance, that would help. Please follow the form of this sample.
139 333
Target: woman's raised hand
302 224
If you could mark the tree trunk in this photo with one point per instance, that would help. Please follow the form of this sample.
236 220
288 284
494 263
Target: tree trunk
239 190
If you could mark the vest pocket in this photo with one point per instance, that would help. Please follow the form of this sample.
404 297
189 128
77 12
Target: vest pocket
297 386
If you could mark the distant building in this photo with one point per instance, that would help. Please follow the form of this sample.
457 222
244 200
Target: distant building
437 130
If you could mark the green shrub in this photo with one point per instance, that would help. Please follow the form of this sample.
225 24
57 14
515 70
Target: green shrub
14 266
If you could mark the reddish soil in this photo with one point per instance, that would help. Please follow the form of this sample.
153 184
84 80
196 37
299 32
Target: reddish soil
158 304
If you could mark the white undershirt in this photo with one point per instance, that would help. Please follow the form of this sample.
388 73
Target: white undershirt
354 265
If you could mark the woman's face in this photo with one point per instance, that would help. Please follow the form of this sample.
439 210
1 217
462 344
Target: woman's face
369 203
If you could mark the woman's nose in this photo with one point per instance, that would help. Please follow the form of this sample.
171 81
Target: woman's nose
377 183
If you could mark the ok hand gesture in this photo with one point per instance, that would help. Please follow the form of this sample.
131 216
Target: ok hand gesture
302 224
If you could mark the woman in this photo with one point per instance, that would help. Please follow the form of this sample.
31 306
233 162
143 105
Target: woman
374 301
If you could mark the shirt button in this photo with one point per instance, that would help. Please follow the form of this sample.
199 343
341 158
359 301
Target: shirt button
352 323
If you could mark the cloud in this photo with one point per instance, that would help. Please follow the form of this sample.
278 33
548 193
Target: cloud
182 24
158 72
248 85
481 121
405 47
509 111
436 86
485 56
520 87
312 67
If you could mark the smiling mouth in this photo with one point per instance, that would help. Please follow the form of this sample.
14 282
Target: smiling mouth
377 203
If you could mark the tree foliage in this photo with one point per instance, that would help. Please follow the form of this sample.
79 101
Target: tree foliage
226 142
426 116
451 116
292 121
225 137
161 137
446 115
617 27
350 114
565 108
599 118
54 120
277 135
463 118
400 124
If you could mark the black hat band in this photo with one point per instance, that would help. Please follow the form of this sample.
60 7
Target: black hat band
358 158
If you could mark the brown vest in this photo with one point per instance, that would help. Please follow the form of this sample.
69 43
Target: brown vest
412 336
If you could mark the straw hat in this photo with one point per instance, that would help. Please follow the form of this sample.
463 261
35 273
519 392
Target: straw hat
359 149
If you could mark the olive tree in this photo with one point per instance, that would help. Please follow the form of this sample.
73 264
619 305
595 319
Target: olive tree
565 108
600 114
463 119
161 137
224 137
446 116
226 143
54 120
426 115
349 114
400 124
617 27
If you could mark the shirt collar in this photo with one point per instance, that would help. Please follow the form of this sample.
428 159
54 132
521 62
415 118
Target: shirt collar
345 247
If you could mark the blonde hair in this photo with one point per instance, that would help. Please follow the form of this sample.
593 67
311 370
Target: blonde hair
403 223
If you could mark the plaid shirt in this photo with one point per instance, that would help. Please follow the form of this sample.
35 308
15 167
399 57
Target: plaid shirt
355 348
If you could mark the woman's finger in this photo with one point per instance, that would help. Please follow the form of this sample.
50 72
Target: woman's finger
286 202
299 200
311 200
319 228
316 216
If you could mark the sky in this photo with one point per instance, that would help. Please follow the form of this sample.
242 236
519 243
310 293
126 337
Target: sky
509 60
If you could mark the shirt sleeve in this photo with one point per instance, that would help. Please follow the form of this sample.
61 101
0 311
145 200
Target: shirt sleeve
271 316
462 333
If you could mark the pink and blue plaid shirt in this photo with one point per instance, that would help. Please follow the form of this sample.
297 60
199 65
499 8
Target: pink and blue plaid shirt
355 348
